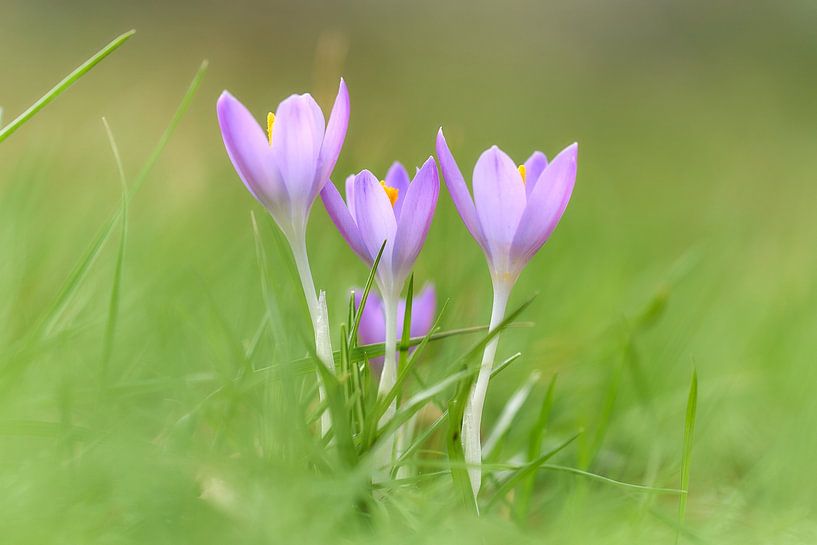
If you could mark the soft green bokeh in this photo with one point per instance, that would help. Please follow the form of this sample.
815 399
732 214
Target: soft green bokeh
695 196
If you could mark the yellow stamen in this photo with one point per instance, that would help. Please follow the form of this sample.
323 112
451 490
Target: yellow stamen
270 123
391 192
522 172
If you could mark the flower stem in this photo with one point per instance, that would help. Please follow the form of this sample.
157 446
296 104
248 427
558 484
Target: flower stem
318 316
388 377
472 418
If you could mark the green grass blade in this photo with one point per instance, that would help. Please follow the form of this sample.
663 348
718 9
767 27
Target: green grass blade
405 370
79 272
67 82
689 430
45 325
113 305
181 110
526 471
428 432
366 290
537 434
608 480
404 338
508 414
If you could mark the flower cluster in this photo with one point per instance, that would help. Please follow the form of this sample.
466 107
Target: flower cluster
512 213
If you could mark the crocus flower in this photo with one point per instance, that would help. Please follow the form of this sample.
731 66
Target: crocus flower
394 211
398 213
514 209
285 170
286 166
512 214
373 320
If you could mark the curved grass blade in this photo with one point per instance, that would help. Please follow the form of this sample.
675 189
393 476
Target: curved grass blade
113 305
404 338
45 326
66 82
527 470
537 434
437 424
689 430
365 296
386 400
509 412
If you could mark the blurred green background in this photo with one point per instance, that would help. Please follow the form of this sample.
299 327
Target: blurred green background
689 243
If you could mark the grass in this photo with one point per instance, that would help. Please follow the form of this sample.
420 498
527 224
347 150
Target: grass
690 239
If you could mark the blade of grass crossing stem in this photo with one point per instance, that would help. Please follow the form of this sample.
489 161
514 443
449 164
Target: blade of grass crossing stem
689 430
456 454
66 82
527 470
385 401
342 432
426 433
508 414
456 411
363 353
404 339
537 435
416 402
366 290
113 305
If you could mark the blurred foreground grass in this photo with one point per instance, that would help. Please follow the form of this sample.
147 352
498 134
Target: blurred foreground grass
689 243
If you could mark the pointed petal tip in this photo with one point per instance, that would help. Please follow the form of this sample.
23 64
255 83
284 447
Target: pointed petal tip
364 174
571 152
225 99
440 139
429 163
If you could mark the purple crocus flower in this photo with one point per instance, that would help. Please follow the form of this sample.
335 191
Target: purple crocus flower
398 213
514 209
394 211
286 166
285 170
373 320
512 214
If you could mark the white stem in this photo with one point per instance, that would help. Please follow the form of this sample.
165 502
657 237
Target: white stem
388 377
319 316
472 418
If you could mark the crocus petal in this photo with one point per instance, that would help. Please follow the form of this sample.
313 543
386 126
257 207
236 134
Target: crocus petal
546 204
398 178
297 136
423 311
343 220
250 153
499 198
372 322
534 167
350 195
418 209
375 218
333 138
459 191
